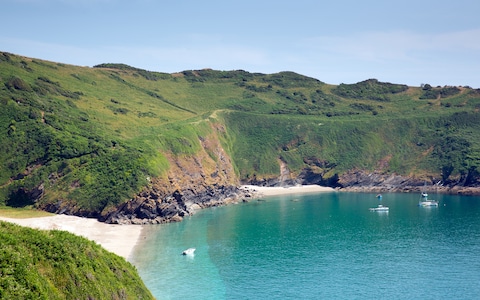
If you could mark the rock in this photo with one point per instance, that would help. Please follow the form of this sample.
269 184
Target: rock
194 207
362 181
173 207
176 218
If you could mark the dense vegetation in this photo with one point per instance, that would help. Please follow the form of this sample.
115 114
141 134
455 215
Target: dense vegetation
370 89
96 136
55 264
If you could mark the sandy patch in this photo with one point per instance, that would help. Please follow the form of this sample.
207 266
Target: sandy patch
298 189
119 239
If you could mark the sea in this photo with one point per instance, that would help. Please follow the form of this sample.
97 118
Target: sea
318 246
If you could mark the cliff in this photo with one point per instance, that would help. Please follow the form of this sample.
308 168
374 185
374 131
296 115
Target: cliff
194 182
158 204
126 145
364 181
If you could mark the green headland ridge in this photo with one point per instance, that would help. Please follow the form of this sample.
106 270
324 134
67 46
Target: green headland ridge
127 145
131 146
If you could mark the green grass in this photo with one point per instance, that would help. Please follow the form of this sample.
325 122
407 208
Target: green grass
92 136
23 213
55 264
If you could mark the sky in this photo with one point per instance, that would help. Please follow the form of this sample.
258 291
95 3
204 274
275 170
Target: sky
342 41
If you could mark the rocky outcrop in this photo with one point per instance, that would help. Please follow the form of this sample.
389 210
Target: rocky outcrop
366 181
65 207
359 180
363 181
149 208
207 179
193 182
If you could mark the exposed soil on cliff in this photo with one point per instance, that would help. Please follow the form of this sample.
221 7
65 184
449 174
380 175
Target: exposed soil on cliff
207 179
363 181
203 180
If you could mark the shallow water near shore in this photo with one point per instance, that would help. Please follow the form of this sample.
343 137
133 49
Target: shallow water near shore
318 246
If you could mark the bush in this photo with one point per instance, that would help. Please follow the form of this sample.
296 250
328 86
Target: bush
16 83
291 80
370 89
434 93
37 264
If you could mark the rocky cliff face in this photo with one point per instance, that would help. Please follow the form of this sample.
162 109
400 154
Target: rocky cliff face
366 181
359 180
208 179
193 182
363 181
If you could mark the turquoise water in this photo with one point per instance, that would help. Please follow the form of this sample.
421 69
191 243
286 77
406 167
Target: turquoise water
318 246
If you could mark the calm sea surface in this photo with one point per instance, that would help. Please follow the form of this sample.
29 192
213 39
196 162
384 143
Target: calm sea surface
318 246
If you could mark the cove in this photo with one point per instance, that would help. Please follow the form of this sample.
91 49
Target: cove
316 246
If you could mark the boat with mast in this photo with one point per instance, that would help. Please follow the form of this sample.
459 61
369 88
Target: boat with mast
424 201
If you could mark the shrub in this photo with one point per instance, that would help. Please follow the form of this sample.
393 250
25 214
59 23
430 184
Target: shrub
434 93
369 89
16 83
40 264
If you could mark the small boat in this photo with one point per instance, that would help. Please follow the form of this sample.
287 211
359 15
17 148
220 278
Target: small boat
379 208
424 201
189 251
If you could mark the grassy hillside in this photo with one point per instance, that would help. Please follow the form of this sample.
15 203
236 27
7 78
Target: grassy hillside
408 145
54 264
96 136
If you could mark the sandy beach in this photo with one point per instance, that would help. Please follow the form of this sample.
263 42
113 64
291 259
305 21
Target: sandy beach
119 239
298 189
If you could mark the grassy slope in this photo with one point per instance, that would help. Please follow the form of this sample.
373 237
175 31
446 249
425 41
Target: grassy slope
94 135
24 212
410 134
55 264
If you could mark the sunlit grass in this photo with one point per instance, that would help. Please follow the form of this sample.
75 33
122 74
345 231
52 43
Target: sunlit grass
23 213
103 131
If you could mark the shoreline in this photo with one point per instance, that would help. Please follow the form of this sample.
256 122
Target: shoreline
276 191
122 239
118 239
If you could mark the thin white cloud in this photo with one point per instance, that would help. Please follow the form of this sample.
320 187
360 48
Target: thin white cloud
395 56
48 51
394 45
171 59
164 59
468 40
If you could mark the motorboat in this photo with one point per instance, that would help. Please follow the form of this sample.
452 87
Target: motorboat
189 251
379 208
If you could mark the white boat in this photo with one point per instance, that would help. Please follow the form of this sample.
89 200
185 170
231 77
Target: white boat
424 201
189 251
379 208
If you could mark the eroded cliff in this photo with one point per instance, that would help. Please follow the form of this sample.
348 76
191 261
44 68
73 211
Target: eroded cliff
194 182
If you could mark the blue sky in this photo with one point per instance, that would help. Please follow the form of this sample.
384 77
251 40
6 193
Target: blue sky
410 42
